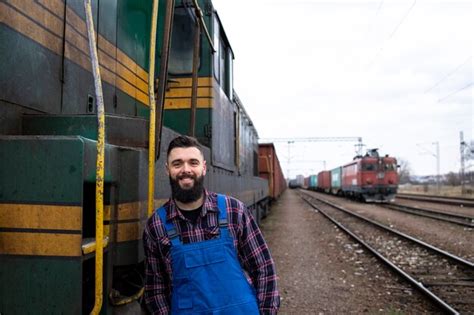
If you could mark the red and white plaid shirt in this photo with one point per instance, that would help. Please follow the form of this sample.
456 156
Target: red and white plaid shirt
252 250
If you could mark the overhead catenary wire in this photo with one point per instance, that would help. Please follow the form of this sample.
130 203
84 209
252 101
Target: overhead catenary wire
393 32
448 75
455 92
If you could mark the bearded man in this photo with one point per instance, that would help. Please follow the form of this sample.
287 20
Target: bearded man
204 252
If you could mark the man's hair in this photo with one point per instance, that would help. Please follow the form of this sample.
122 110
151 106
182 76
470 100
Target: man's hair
183 142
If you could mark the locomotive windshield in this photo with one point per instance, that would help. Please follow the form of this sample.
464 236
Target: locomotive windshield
369 167
181 54
390 166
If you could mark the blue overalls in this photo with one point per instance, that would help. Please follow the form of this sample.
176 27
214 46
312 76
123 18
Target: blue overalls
207 276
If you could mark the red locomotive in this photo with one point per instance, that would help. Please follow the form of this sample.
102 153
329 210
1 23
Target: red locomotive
371 178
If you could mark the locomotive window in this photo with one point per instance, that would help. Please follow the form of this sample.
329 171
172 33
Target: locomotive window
230 74
368 167
390 167
217 47
222 64
182 43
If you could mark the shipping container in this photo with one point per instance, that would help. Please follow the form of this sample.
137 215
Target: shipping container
313 182
324 181
336 181
270 169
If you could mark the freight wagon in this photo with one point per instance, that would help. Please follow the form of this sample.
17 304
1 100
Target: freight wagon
270 169
324 181
313 182
336 181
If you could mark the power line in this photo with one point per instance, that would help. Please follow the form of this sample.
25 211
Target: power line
449 74
378 9
455 92
402 20
393 32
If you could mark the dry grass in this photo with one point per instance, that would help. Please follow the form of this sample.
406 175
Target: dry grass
433 190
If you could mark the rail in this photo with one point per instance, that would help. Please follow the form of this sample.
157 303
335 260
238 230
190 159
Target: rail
437 215
419 285
457 201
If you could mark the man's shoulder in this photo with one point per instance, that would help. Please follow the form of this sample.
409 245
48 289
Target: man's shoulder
155 225
231 202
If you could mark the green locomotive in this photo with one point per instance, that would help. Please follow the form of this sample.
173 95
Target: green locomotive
48 141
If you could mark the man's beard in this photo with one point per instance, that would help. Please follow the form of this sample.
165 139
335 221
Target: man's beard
187 195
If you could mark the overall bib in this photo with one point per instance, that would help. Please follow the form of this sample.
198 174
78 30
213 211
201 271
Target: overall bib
207 276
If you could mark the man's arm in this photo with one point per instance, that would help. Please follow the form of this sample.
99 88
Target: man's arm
157 288
258 262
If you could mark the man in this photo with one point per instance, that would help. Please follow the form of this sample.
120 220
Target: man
204 252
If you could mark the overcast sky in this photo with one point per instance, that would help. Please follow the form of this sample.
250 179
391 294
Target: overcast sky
397 73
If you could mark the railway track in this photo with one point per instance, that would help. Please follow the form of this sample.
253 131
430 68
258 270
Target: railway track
438 215
457 201
444 278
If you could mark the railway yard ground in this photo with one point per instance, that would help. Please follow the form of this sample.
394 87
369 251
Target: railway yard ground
322 270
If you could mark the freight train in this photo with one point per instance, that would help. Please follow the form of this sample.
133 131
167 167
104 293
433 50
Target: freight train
270 169
51 129
369 178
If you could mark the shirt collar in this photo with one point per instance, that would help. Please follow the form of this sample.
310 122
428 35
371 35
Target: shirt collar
209 205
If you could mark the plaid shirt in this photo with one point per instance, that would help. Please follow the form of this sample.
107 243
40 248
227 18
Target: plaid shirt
252 250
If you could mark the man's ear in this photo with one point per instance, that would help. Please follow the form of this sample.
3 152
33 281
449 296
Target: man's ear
204 167
167 169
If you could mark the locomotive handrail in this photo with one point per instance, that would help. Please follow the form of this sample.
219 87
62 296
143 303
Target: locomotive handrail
203 25
195 78
151 93
163 76
99 188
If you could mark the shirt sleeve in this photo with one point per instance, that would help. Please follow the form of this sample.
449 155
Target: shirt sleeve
257 261
157 287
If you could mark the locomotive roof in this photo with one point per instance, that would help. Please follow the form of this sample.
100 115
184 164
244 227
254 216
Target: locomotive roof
224 35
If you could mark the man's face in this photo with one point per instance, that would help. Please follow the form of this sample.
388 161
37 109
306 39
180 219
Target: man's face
186 168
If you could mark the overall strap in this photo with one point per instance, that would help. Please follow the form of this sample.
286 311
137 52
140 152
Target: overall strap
169 226
223 222
221 204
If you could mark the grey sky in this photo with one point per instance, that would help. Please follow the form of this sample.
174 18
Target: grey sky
397 73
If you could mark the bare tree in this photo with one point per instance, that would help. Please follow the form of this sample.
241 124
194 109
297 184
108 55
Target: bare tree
452 179
404 171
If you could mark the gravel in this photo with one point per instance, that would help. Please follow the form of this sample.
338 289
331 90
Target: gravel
323 271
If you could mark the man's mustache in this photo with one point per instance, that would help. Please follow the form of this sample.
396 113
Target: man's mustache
183 176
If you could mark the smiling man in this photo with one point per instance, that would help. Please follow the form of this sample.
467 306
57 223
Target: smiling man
204 252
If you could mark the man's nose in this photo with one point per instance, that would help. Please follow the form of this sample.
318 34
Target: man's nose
186 167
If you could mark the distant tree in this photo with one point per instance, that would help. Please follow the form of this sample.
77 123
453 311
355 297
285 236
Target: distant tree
452 179
404 171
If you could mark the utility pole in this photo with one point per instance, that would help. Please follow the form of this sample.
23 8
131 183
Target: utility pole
289 158
437 156
437 166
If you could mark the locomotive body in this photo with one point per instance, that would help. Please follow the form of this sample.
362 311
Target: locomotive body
371 178
48 139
